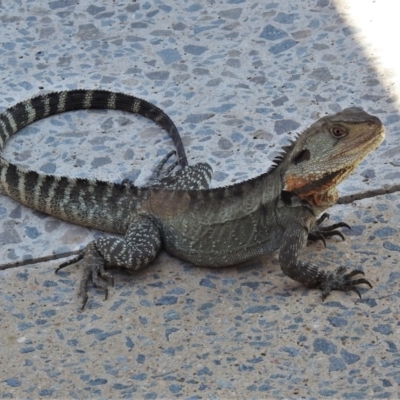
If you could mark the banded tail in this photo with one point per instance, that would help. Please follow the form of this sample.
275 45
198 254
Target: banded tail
24 113
86 202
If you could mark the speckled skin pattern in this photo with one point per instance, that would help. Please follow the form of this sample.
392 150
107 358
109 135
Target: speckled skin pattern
207 227
238 78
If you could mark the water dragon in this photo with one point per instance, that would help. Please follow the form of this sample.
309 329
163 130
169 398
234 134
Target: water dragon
178 212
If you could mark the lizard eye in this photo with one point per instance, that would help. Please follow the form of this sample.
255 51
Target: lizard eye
339 131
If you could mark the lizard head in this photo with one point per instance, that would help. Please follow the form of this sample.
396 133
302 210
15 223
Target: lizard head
327 152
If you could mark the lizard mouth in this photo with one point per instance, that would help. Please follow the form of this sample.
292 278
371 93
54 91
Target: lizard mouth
355 152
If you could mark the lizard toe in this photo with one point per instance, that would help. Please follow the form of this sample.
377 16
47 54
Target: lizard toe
94 272
320 232
102 279
340 280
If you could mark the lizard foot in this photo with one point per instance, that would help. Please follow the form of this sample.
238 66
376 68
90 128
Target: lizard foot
322 232
157 175
93 271
340 280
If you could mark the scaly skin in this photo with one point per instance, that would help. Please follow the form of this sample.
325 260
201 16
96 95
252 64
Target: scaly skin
278 210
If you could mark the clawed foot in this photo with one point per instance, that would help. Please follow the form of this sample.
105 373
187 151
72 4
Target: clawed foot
340 280
322 232
157 177
93 271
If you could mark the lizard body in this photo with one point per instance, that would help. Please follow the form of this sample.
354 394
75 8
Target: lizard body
212 227
229 225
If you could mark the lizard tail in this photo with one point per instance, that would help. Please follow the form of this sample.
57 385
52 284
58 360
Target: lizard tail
92 203
24 113
86 202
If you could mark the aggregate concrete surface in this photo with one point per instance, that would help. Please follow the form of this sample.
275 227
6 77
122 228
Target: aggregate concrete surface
239 78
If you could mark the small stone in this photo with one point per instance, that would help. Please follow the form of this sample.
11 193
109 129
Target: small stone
234 13
324 346
285 125
270 32
88 32
336 364
169 56
283 46
195 50
321 74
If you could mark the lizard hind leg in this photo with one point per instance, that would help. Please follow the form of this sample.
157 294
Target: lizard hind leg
192 177
135 251
155 176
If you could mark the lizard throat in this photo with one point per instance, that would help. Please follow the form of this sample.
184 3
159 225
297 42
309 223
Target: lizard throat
316 189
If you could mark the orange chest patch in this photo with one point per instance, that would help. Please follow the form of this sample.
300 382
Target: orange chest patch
316 189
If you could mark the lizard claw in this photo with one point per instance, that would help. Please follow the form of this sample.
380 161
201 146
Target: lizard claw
340 280
156 177
322 232
93 271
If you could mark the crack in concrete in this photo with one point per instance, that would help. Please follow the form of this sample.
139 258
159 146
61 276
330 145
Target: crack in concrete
342 200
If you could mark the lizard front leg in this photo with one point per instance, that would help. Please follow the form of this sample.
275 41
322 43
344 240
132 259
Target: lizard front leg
320 232
310 275
135 251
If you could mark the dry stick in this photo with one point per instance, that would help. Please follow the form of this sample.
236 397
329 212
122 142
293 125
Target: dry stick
370 193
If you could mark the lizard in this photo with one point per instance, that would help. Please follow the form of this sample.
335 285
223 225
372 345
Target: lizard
276 211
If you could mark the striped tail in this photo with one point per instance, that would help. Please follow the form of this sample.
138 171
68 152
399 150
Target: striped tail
22 114
92 203
103 205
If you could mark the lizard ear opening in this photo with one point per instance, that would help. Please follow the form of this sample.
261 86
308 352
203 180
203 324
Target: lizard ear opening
286 197
304 155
